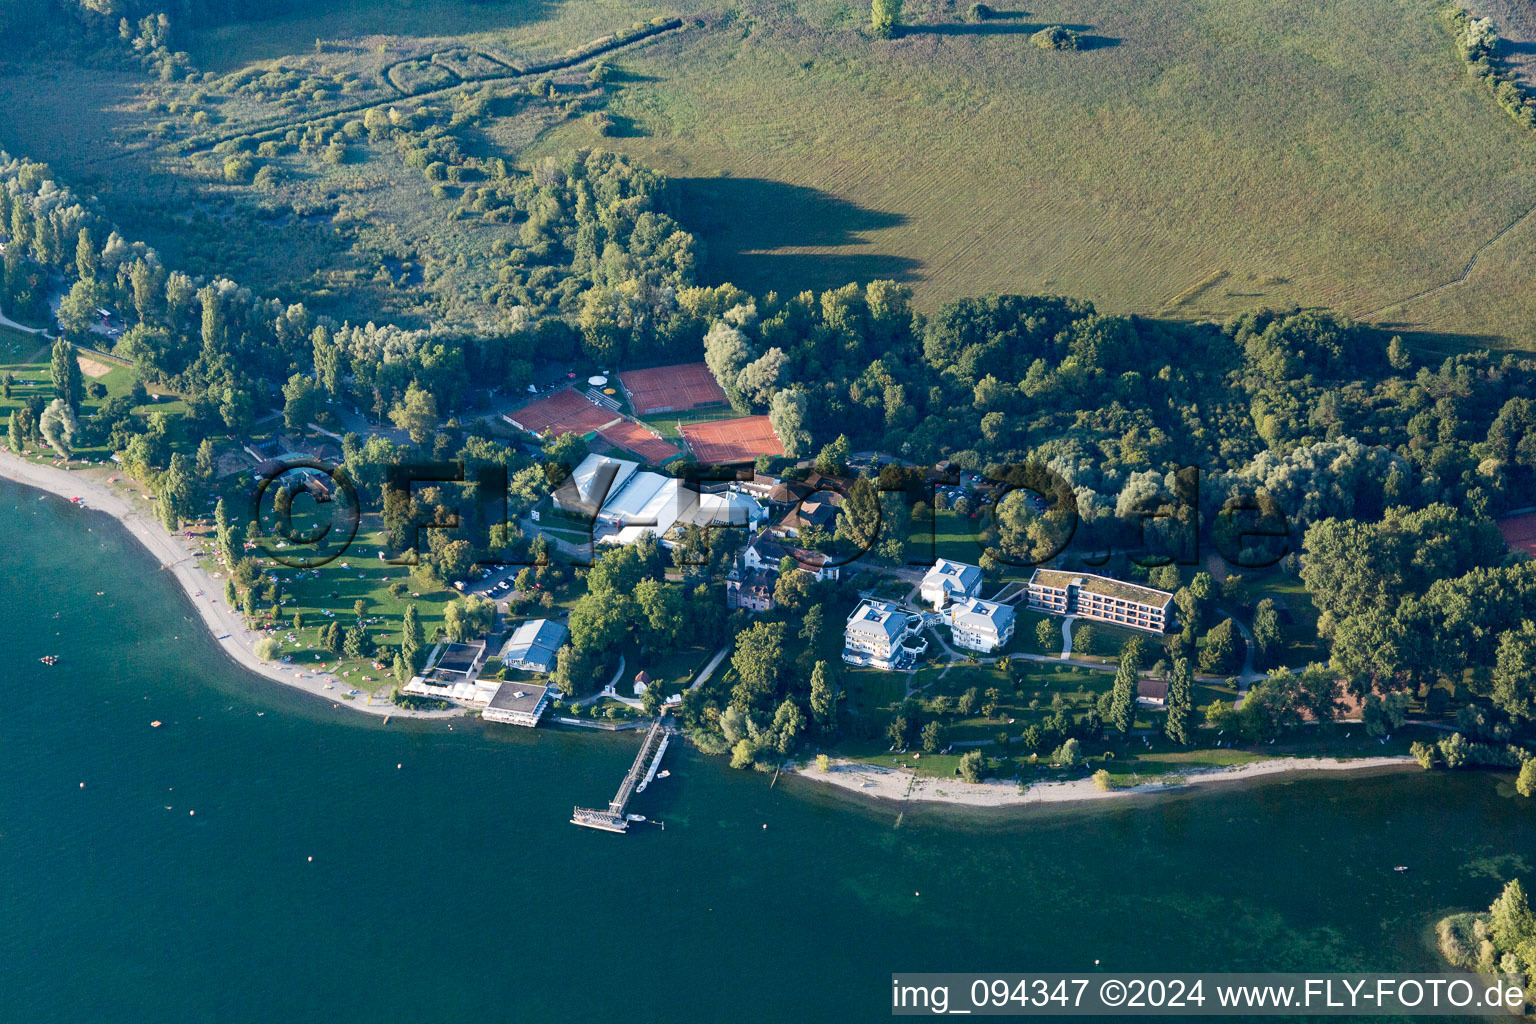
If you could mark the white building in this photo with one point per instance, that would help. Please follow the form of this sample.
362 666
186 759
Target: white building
625 503
517 703
879 634
948 581
765 552
533 645
453 674
980 625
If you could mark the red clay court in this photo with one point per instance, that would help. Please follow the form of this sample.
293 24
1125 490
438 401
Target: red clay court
631 436
564 412
738 440
567 412
1519 532
671 388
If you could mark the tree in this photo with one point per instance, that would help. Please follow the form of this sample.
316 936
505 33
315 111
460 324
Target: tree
898 731
933 737
787 414
758 659
1525 785
970 766
416 414
1047 634
298 402
469 617
17 435
1266 632
356 643
175 493
885 17
833 459
1069 754
1220 654
1122 707
823 697
759 379
65 371
1180 702
859 517
1384 715
205 464
411 637
58 426
1514 672
1083 637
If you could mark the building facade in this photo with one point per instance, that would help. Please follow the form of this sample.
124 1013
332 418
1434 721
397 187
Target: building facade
1101 598
880 635
979 625
948 581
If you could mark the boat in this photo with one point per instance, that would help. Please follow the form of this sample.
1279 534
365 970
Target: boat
49 659
1401 868
634 817
664 774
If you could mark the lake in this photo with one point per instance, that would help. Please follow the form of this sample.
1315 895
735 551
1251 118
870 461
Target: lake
178 884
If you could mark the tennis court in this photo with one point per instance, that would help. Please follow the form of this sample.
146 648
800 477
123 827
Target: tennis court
671 388
569 412
738 440
564 412
1519 532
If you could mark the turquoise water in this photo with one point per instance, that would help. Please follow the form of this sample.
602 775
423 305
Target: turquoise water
453 888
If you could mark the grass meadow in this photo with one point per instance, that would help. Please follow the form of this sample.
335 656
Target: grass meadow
1198 158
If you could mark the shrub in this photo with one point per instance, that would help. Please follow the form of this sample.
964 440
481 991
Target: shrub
978 12
1525 785
267 648
1056 37
1101 778
238 169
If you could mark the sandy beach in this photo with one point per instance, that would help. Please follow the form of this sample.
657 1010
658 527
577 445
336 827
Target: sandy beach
206 594
901 785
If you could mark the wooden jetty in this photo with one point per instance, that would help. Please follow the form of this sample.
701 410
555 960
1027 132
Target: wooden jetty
640 773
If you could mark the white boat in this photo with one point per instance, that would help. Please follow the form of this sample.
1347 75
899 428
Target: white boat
663 774
634 817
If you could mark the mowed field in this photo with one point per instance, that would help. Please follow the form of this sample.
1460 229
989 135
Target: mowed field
1197 158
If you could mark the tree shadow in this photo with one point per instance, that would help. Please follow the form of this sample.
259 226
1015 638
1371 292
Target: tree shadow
743 220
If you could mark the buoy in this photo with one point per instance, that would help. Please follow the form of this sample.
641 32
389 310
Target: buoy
190 813
311 860
399 766
82 785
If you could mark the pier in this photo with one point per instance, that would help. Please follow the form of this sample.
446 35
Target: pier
640 774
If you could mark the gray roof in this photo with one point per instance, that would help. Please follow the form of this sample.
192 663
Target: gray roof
534 643
975 614
953 574
516 696
877 619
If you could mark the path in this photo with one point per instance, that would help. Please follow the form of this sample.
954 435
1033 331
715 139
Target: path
1460 278
709 669
6 321
585 55
1066 636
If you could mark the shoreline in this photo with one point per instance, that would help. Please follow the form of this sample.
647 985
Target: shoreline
206 596
893 784
876 782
